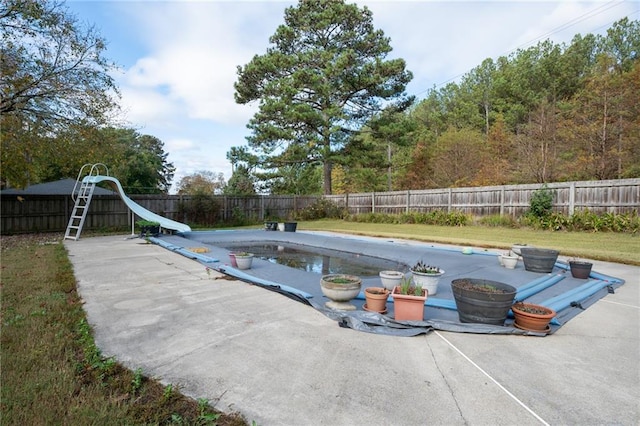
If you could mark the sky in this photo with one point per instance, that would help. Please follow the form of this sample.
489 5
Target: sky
177 60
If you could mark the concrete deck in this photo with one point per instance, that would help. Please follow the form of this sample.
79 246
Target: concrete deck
279 362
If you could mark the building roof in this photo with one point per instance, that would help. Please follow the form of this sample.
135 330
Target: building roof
58 187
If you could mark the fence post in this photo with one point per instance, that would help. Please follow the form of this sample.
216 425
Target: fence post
572 198
449 200
502 201
408 201
373 202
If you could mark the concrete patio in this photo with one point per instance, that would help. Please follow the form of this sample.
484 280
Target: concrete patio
280 362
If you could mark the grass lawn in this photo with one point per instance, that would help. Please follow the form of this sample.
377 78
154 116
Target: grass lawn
607 246
52 372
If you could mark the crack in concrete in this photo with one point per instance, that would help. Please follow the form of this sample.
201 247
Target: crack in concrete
451 391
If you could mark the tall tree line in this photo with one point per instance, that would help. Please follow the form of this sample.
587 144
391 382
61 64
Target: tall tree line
550 112
58 103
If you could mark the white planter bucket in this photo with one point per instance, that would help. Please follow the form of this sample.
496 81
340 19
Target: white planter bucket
509 262
429 282
391 279
244 262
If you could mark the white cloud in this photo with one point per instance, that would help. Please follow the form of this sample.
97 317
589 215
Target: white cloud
194 51
144 105
180 145
180 57
441 40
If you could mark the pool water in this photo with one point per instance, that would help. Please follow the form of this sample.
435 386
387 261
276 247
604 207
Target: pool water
317 260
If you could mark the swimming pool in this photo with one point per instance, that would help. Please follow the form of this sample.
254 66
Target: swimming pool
559 287
317 259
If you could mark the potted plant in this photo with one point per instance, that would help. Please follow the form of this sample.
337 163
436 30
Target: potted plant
482 301
376 299
427 276
340 288
408 301
580 269
539 259
270 225
148 228
244 260
391 279
509 260
529 316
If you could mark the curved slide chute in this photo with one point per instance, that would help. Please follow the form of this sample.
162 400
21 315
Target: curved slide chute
137 208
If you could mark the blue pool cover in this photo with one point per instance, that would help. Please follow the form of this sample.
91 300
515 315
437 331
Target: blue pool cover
558 290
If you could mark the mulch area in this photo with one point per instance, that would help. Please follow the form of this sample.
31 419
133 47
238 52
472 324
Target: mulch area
7 242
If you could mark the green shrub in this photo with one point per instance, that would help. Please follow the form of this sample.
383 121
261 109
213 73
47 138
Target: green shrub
321 208
435 217
585 220
541 204
200 209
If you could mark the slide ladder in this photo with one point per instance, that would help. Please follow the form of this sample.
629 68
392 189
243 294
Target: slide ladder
83 191
82 196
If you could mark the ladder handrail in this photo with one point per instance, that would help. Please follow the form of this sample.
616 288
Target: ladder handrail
95 168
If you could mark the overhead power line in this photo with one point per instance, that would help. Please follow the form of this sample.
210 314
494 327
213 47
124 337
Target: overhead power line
587 15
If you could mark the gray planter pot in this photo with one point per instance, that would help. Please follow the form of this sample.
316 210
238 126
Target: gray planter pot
580 270
539 259
476 305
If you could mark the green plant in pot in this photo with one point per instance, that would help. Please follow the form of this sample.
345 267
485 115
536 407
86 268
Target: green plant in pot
148 228
408 301
427 276
340 288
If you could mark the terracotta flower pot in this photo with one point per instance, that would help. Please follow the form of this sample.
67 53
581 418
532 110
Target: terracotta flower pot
376 299
532 317
407 307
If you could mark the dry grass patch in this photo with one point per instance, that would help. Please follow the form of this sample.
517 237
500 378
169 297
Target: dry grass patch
52 372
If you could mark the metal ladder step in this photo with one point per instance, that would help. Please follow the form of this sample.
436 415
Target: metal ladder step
80 210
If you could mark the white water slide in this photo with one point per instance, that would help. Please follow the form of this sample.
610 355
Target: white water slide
137 208
83 198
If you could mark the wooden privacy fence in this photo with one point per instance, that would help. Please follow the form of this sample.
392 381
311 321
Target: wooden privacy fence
614 196
30 213
43 213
